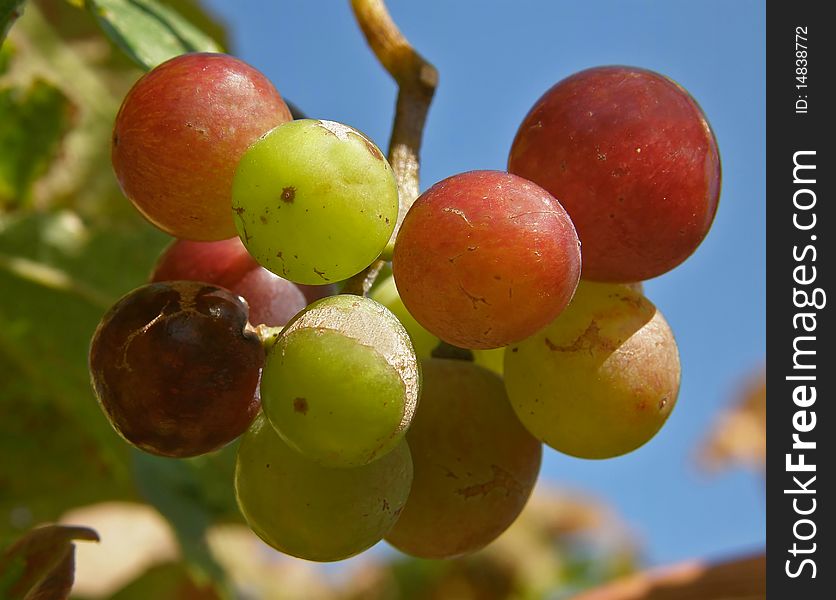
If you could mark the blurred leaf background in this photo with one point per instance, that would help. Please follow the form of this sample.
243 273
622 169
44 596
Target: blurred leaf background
70 245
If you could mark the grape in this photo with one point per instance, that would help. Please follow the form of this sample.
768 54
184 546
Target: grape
314 201
633 160
423 341
313 512
179 135
341 383
387 294
485 258
492 360
601 380
273 301
175 370
475 465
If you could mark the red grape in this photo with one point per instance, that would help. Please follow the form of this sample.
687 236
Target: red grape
632 158
179 135
174 368
485 258
273 300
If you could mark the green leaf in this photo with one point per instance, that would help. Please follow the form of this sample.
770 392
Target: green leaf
192 494
10 10
58 278
148 31
32 124
171 581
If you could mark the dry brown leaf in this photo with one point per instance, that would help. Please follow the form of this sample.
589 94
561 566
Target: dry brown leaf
742 579
739 435
41 564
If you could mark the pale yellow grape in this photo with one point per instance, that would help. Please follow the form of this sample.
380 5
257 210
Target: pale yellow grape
313 512
601 380
387 294
423 341
492 359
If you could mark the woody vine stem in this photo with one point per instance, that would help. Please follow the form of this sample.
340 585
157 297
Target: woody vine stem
417 80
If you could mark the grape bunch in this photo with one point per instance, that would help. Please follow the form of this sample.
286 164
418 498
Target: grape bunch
513 316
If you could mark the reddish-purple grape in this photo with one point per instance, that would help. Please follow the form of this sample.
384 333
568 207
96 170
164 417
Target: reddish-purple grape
632 158
180 133
273 301
175 369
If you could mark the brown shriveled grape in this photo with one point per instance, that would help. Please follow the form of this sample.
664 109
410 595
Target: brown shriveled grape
174 368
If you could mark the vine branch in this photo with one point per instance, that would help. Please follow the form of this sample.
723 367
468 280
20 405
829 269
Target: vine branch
417 80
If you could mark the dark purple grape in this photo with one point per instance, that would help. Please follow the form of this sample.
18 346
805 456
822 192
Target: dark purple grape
174 368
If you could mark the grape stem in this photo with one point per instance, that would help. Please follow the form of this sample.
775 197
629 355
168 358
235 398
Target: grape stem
417 80
268 335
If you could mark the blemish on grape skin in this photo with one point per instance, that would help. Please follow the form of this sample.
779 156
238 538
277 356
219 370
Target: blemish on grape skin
321 274
501 479
590 340
300 405
263 219
373 150
474 299
288 194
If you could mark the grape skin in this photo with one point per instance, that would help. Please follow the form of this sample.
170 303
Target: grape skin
314 201
601 380
314 512
175 370
179 134
423 341
632 158
272 300
474 463
484 259
341 383
387 294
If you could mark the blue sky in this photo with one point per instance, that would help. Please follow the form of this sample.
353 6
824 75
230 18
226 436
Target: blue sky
495 59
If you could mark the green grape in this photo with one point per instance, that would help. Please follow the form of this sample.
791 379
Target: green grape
492 360
423 341
475 464
341 383
387 294
314 201
313 512
601 380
